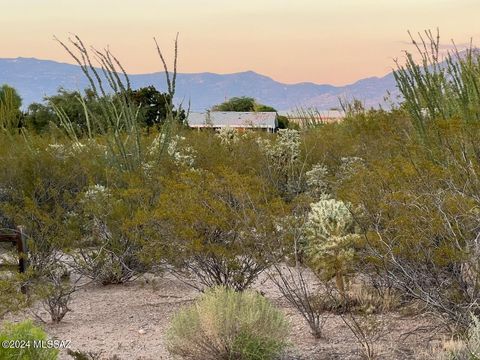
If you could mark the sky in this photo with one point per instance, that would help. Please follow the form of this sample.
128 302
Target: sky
321 41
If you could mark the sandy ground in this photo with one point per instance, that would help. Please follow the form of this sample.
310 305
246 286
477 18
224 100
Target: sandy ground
130 321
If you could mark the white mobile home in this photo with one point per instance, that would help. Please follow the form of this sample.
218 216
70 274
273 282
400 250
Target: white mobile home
266 121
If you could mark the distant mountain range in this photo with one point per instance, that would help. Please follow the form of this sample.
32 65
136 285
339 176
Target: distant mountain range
35 79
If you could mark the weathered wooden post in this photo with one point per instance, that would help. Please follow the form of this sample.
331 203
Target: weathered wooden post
19 241
22 250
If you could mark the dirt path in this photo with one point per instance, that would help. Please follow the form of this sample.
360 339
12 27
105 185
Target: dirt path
130 321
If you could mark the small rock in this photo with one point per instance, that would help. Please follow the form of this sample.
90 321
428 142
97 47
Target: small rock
141 331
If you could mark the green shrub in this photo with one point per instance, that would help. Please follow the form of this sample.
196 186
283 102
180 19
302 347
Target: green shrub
26 333
225 324
216 226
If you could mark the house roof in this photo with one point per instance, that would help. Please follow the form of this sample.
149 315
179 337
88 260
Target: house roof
326 114
216 119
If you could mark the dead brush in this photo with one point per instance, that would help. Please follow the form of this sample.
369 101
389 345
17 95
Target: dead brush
295 288
54 287
364 298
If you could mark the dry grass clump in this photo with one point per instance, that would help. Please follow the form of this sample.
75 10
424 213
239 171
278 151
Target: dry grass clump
228 325
369 300
462 349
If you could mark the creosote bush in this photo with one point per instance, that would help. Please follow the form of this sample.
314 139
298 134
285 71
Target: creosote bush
295 286
25 331
55 289
11 297
216 226
224 324
108 250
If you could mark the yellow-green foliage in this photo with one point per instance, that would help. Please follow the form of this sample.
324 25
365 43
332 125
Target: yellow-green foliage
9 109
219 225
11 298
419 206
224 324
25 333
198 202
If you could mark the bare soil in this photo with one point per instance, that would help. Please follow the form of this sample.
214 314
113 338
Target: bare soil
131 320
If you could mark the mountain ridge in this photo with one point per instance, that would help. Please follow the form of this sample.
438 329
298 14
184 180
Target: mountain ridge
35 78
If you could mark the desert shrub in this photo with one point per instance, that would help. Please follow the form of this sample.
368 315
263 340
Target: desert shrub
296 288
367 331
284 163
54 288
107 249
27 333
462 349
216 226
296 282
43 179
39 188
224 324
11 297
419 224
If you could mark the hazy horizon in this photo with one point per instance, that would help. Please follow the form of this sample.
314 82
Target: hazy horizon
201 72
306 41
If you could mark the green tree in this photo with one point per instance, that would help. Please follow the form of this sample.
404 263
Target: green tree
7 91
249 104
283 122
71 103
243 103
154 105
39 116
10 103
236 104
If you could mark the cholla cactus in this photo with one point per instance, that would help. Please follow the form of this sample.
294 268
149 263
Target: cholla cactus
182 155
287 146
350 165
330 232
96 193
228 136
317 180
289 141
284 165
